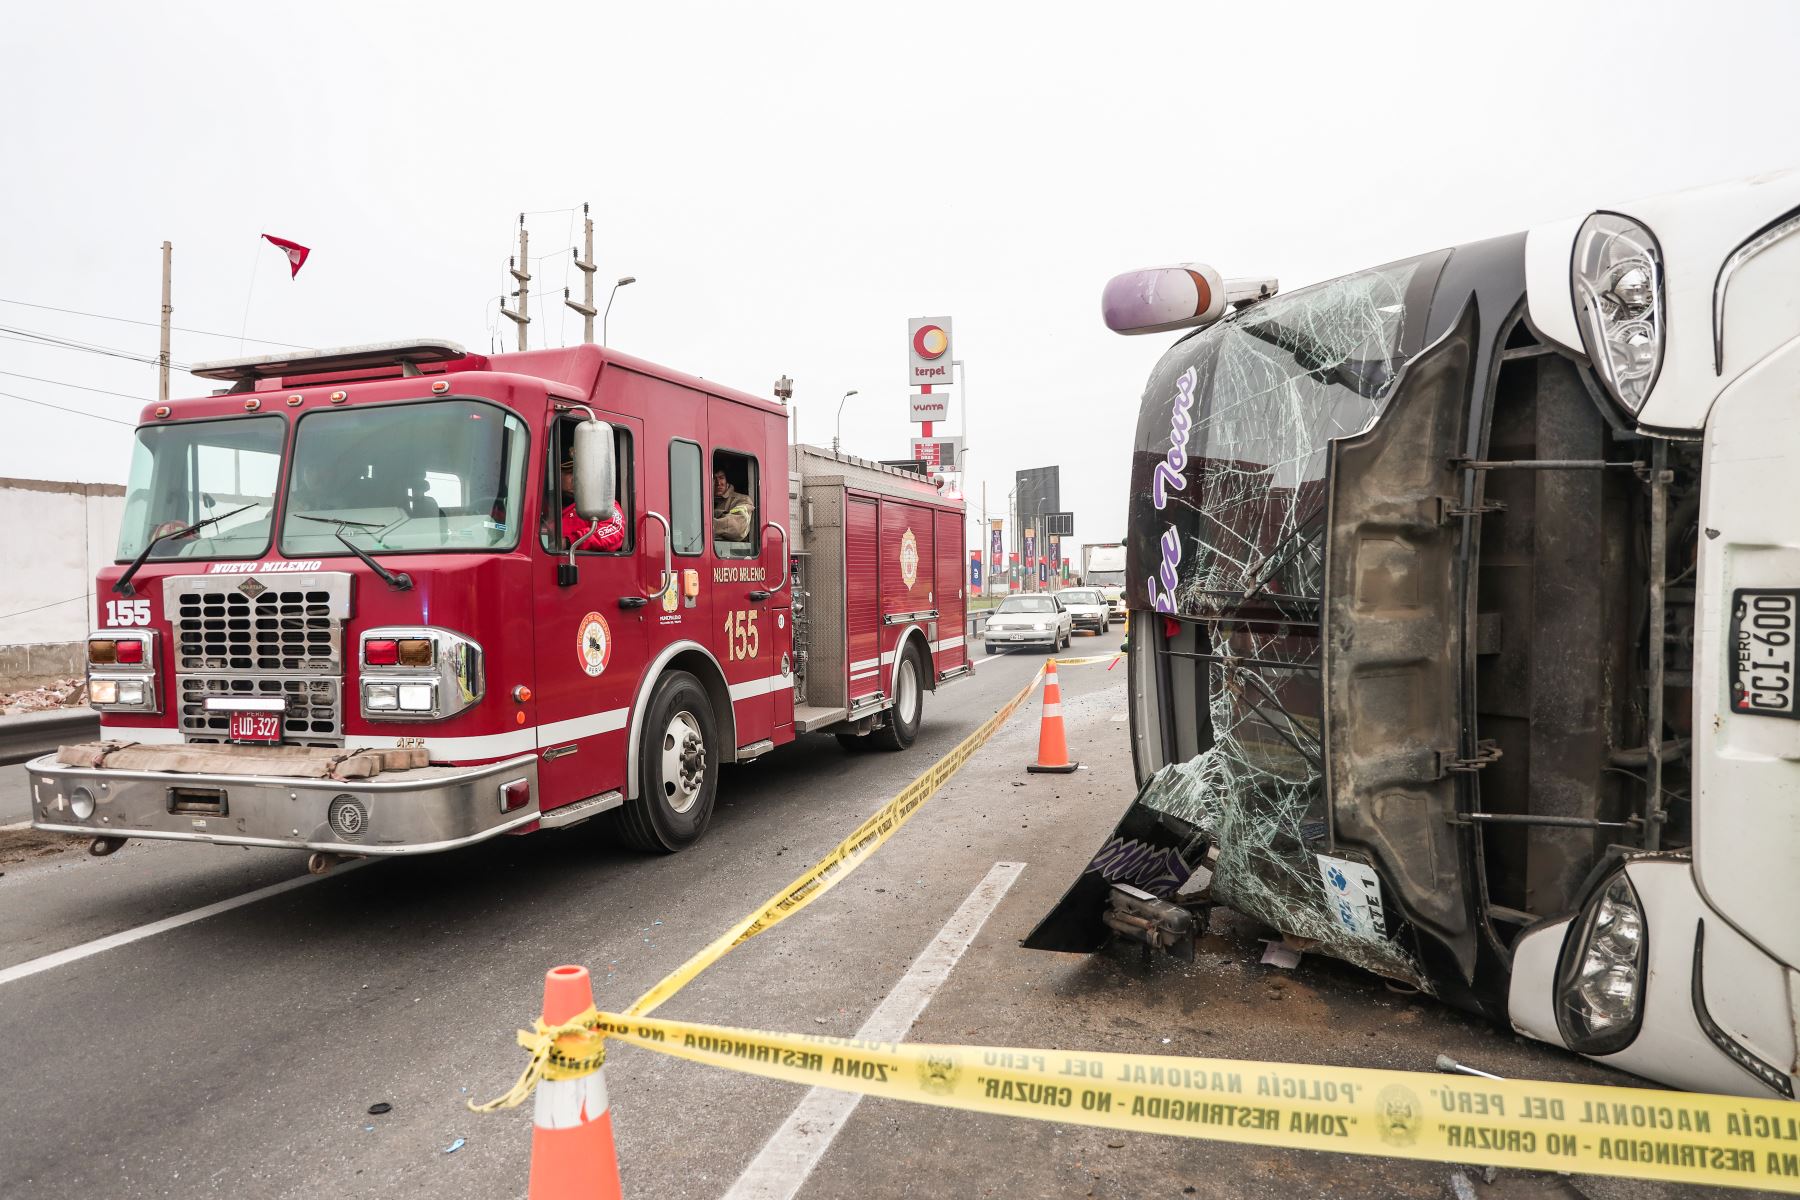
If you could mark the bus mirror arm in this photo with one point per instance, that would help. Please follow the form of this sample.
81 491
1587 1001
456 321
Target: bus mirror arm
785 547
668 574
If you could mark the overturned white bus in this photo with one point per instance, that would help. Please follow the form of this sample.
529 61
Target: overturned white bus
1466 599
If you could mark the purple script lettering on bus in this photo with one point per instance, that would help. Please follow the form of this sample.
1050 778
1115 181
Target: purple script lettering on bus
1169 476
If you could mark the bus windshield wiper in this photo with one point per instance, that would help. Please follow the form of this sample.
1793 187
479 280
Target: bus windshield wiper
122 585
400 581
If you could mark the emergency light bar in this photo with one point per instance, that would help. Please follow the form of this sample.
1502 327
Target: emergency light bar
1189 295
244 372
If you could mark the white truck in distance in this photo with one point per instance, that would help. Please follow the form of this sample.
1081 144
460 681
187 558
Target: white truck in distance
1103 567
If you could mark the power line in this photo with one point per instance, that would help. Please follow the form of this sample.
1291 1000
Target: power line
42 607
62 343
76 411
78 386
76 312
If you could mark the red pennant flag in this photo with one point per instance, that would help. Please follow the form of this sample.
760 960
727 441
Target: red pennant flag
296 253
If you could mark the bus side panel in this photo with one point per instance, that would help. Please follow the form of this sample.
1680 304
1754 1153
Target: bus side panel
862 596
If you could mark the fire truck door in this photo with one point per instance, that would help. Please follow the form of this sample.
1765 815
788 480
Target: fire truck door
590 638
908 578
745 565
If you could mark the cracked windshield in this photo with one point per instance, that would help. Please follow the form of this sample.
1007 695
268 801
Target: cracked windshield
446 475
1232 454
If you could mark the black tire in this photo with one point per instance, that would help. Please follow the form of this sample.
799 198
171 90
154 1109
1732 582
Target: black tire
670 814
902 727
989 647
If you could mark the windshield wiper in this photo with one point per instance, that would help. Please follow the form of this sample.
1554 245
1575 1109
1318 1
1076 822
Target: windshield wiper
122 585
400 581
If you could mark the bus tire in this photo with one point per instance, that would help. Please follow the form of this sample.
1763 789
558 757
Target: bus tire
678 769
902 727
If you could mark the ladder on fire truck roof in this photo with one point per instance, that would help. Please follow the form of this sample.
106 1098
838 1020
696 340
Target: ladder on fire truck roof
242 373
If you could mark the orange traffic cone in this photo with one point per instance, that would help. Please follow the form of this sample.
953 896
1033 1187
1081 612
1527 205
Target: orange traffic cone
572 1154
1053 747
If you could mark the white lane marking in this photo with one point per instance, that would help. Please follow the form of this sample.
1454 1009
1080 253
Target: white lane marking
63 958
1122 717
781 1168
16 825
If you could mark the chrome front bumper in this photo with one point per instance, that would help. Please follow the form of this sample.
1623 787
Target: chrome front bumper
401 812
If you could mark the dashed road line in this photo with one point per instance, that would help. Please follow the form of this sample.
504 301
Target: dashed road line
781 1168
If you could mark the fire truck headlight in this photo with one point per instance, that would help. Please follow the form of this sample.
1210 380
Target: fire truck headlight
103 691
418 697
81 803
131 691
381 697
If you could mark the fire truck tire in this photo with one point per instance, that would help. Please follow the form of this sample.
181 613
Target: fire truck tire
902 726
678 769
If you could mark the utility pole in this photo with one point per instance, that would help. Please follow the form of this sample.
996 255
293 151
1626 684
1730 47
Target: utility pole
168 310
587 268
521 271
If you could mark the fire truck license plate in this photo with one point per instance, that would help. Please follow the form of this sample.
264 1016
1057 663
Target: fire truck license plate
1763 654
255 727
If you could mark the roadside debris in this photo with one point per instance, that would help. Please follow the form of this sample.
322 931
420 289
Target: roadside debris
453 1147
1278 954
1461 1186
60 693
379 1107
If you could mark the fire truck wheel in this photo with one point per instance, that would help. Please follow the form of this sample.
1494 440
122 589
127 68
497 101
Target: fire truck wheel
909 703
678 770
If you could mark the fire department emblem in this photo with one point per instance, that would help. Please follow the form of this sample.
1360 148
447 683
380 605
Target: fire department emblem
669 598
593 645
909 559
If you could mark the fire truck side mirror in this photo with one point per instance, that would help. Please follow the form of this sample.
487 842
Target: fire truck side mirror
594 470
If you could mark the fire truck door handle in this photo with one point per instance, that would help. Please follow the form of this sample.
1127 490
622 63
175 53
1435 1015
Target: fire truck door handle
632 602
759 595
786 546
668 575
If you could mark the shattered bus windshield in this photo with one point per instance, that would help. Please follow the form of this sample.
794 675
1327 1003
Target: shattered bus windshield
1227 532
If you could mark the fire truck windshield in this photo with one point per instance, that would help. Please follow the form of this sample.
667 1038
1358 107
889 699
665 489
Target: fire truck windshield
187 472
433 475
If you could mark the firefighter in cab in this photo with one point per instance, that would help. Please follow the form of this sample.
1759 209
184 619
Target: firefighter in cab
608 534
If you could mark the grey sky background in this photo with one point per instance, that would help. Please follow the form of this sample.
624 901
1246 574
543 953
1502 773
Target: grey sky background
791 182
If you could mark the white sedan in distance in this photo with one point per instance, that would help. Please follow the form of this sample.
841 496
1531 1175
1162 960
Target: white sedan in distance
1087 607
1028 620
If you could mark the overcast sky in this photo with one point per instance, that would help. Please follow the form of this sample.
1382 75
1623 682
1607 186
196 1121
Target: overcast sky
789 183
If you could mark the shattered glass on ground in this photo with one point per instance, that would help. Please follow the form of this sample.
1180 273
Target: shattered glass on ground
1235 462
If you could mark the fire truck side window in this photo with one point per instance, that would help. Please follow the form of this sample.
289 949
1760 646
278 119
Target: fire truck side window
552 532
735 523
687 486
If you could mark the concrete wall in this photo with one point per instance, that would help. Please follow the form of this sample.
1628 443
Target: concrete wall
53 538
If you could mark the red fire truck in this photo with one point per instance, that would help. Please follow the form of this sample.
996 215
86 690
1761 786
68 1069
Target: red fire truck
400 598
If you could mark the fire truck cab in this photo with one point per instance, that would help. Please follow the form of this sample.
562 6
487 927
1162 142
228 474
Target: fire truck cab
400 598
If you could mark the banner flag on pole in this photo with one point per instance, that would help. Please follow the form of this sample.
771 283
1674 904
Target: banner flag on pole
296 253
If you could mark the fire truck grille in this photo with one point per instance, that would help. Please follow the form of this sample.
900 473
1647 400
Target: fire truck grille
275 630
312 716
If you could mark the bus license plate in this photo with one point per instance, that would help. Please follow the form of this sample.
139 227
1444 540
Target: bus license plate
1763 656
255 727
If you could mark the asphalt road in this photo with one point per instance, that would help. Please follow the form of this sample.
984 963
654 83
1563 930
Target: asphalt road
238 1055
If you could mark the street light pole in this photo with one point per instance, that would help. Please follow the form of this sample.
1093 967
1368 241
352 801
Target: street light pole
628 279
840 420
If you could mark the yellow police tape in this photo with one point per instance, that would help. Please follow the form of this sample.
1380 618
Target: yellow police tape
849 854
1580 1128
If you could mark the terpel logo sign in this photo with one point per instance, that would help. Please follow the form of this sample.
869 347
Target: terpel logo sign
929 350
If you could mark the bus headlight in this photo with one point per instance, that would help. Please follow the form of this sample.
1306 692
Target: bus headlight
1600 982
1618 290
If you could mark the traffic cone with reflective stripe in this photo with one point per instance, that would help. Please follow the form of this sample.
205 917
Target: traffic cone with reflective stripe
1053 747
572 1154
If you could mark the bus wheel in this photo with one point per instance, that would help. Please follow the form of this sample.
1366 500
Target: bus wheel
678 768
909 703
